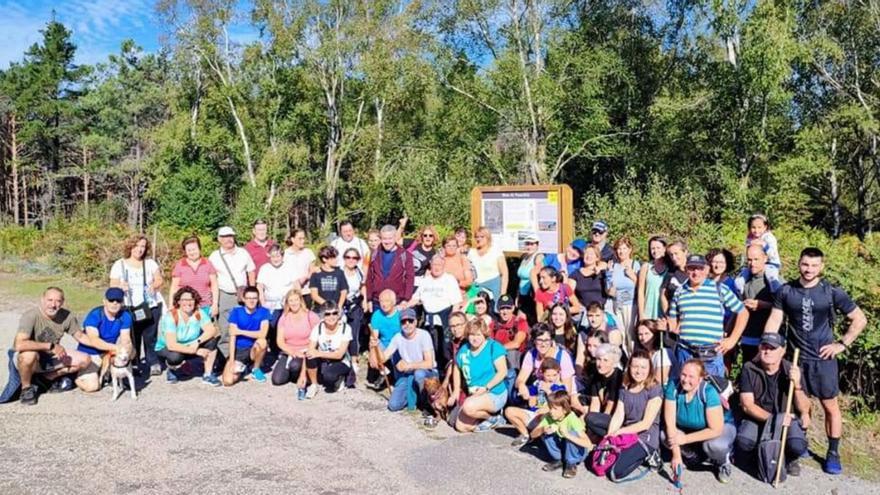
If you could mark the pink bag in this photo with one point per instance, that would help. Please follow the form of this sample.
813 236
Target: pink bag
605 454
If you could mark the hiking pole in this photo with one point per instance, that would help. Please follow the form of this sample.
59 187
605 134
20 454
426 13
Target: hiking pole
794 362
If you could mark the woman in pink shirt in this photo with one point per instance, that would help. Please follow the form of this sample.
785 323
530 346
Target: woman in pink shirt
294 326
197 272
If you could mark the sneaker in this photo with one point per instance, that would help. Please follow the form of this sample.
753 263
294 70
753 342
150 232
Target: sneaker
258 375
489 423
301 394
170 376
350 379
519 441
832 463
552 466
211 380
29 395
155 370
376 385
654 461
570 471
430 422
725 471
311 391
793 468
62 384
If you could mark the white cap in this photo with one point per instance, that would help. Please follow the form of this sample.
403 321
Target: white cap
225 232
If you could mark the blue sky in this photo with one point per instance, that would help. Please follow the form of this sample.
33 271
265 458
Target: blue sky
98 26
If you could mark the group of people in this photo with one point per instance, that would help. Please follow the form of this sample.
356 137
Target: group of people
588 351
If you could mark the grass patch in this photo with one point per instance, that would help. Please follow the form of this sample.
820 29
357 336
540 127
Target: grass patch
860 445
17 288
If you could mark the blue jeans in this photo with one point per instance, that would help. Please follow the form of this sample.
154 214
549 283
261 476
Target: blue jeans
556 447
407 388
714 367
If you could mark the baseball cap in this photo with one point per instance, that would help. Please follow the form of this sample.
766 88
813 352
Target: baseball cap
600 226
505 301
408 314
579 244
114 294
225 232
774 340
531 237
696 260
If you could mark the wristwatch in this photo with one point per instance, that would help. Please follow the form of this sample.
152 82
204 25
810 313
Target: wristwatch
841 342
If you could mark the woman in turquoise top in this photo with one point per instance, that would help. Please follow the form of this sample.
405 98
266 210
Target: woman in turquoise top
185 333
483 366
528 276
651 279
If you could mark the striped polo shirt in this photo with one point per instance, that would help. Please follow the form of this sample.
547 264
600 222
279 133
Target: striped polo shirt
198 278
700 313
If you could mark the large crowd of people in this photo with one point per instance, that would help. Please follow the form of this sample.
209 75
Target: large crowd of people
593 355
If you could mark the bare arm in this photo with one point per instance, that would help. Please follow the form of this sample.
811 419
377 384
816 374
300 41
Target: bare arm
715 422
752 409
774 321
502 267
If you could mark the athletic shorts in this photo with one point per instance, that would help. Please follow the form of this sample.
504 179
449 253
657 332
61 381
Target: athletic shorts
94 367
499 400
243 355
821 378
46 362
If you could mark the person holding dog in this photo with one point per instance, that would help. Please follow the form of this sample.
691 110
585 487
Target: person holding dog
187 332
248 328
764 385
415 365
107 328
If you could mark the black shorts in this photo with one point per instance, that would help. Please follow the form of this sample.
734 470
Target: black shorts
821 378
243 355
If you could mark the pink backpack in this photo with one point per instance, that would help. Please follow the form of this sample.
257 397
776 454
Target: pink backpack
605 454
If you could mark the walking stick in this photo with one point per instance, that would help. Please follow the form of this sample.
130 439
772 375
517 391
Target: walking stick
794 362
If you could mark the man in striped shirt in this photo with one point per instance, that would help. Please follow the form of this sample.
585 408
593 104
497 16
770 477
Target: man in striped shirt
696 314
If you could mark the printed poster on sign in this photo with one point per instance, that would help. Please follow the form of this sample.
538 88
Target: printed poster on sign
514 215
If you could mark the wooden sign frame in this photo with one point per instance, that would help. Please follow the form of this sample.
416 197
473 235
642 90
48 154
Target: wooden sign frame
529 205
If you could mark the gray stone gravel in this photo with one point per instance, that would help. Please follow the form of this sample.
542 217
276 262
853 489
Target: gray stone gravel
256 438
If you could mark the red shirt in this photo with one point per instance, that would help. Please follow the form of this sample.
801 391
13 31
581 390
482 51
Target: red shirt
562 295
260 254
198 278
505 332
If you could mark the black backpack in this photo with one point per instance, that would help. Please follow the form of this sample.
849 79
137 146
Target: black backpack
769 447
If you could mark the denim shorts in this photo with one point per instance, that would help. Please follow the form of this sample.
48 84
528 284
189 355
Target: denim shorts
498 400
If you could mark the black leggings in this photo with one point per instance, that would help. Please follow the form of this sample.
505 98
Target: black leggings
597 423
330 372
173 358
286 369
628 461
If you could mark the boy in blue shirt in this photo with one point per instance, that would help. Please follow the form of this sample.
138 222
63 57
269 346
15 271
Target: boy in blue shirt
248 326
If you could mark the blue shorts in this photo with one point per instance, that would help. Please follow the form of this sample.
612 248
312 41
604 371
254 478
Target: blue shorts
498 400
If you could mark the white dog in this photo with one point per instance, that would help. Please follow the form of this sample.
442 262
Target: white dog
119 365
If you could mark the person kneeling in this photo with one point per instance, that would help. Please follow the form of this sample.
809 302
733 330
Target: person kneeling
108 331
764 386
186 333
416 363
249 325
563 435
328 351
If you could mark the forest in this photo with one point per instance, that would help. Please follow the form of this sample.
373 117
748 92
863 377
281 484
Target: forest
677 116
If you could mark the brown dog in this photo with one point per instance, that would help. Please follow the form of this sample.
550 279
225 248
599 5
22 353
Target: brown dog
438 395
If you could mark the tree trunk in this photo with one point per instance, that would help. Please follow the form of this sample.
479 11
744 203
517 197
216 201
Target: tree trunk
86 179
14 150
835 204
24 193
249 163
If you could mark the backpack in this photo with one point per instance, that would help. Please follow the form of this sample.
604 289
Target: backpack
606 453
769 448
721 385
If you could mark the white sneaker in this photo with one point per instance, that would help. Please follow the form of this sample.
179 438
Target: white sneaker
311 391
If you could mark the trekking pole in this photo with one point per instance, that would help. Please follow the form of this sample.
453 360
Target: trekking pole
794 362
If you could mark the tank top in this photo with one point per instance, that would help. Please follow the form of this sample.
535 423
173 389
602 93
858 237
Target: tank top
653 283
523 272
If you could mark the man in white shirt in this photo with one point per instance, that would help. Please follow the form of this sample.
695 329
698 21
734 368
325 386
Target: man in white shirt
348 239
439 296
235 269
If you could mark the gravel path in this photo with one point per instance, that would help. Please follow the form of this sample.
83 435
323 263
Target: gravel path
256 438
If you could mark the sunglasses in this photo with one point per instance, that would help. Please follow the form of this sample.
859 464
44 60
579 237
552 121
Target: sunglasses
407 320
356 258
428 235
331 313
119 301
530 243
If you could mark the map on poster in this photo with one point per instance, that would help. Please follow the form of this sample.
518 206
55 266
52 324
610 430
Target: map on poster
511 215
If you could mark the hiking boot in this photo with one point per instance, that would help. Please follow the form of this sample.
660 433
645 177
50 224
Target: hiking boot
552 466
519 441
725 472
29 395
793 468
570 471
832 463
350 379
62 384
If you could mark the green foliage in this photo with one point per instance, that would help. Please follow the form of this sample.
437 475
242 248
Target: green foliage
191 198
